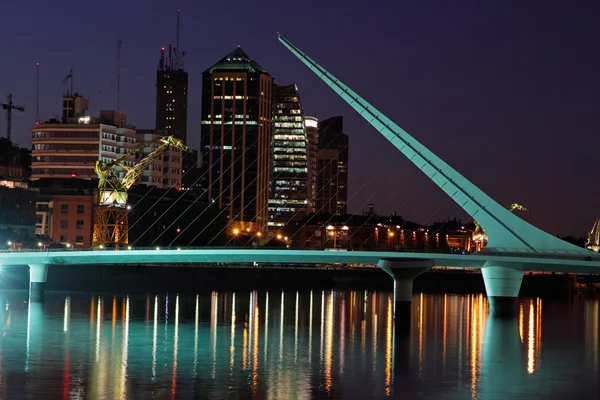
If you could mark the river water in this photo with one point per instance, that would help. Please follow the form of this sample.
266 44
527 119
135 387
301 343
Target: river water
296 345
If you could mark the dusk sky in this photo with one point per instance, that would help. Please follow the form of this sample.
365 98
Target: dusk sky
507 92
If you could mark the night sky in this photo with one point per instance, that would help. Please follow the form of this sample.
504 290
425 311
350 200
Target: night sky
505 91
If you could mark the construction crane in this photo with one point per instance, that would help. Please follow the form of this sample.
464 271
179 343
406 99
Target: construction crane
9 106
111 223
479 235
593 239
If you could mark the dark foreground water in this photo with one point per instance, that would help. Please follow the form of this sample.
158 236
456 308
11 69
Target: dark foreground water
280 345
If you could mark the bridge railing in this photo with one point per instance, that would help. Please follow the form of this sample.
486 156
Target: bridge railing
159 248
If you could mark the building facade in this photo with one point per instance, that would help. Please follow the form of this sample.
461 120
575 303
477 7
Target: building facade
236 138
17 215
290 197
311 125
71 149
171 95
390 235
165 172
332 167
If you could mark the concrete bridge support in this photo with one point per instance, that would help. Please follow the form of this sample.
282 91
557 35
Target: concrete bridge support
404 273
37 281
502 285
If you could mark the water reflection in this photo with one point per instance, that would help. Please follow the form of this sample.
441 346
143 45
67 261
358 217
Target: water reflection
295 344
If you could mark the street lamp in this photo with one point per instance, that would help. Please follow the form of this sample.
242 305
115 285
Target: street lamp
331 231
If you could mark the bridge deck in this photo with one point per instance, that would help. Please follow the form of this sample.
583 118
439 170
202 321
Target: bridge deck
194 256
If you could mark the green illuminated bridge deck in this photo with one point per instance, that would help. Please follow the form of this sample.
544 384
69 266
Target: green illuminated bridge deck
556 263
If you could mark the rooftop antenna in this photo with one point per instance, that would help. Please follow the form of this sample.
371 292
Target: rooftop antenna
118 72
37 93
177 66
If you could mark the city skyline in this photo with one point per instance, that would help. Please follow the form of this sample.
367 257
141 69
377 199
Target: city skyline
462 87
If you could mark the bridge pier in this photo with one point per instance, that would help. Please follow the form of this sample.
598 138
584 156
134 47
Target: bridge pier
37 281
404 273
502 285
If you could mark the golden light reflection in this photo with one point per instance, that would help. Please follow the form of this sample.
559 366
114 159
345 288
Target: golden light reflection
478 316
92 313
245 346
254 380
214 307
531 340
375 324
521 318
250 324
114 317
389 351
232 344
329 342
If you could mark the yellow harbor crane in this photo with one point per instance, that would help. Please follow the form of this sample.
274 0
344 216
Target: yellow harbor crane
111 222
593 239
479 234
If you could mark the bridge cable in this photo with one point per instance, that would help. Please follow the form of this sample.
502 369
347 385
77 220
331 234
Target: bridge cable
225 209
193 202
240 212
301 188
195 182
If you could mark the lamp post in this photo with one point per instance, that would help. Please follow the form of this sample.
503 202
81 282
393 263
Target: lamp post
331 232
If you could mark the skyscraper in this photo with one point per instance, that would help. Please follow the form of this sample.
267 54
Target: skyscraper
171 94
311 125
236 138
290 172
332 167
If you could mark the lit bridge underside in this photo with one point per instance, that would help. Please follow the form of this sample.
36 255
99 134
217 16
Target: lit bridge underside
212 256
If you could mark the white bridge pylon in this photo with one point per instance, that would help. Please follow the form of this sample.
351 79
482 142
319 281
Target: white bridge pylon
506 231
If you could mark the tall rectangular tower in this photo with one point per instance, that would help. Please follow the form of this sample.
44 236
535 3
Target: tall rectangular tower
171 95
332 167
290 198
236 138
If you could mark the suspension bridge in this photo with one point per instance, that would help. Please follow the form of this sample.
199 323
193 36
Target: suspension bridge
514 245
